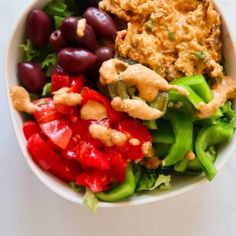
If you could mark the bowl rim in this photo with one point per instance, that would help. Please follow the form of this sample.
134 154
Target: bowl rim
79 200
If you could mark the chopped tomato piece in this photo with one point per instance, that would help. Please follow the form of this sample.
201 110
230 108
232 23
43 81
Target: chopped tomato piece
95 180
63 108
77 83
30 128
90 157
59 81
70 151
47 111
118 166
135 129
81 132
89 94
42 153
66 170
58 132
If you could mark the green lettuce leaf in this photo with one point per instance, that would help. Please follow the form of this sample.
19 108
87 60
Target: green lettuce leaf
46 90
151 181
49 61
163 182
30 52
75 187
90 200
57 8
228 112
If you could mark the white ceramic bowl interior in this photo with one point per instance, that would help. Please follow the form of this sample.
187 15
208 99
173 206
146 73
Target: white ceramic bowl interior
179 185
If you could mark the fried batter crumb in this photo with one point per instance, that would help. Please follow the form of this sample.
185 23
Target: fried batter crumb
93 110
81 26
147 149
109 137
147 81
222 91
136 108
21 100
151 163
134 142
64 96
190 156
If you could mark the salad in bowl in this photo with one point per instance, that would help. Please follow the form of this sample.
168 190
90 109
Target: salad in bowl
121 97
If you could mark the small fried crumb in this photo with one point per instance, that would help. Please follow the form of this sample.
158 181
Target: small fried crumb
151 163
93 111
81 26
109 137
64 96
134 141
147 149
190 156
21 100
136 108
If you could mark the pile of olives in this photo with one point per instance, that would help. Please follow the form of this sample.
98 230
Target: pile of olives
76 52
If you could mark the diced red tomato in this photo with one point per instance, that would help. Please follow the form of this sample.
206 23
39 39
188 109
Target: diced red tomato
63 108
47 111
42 153
89 94
70 151
59 81
134 152
30 128
90 157
77 83
118 166
95 180
66 170
58 132
135 129
82 158
81 132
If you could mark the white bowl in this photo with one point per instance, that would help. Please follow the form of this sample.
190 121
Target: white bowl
179 185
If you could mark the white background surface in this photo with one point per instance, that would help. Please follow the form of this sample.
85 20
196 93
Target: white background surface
28 208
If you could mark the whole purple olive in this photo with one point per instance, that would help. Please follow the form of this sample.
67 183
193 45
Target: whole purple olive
38 27
56 40
101 22
31 76
75 60
103 53
77 32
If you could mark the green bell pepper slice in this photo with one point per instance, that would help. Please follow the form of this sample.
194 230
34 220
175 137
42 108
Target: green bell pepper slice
124 190
210 136
183 129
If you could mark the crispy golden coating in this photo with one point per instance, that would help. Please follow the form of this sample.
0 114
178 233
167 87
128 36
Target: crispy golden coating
174 38
21 100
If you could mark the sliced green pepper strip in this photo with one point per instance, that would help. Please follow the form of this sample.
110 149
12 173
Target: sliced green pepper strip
209 136
160 102
161 149
138 172
198 84
164 133
124 190
183 128
199 91
195 165
182 165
